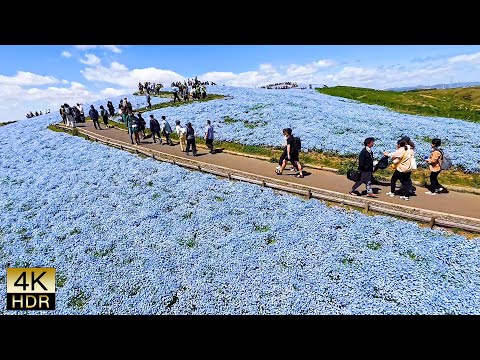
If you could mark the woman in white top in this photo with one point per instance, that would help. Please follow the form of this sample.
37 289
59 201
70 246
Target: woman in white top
402 162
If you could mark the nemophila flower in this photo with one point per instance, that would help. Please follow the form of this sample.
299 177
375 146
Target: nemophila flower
128 235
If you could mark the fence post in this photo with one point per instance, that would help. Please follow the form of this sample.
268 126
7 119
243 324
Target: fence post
432 222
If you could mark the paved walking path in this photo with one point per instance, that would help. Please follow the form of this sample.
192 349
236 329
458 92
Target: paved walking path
458 203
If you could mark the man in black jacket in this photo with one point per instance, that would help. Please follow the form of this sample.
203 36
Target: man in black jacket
93 113
365 167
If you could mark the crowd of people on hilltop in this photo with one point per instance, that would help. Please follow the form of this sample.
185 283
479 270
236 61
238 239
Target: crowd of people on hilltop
283 85
37 113
149 88
189 89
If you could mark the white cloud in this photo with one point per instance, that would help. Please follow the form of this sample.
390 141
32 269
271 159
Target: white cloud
472 58
112 92
65 81
308 69
85 47
382 78
40 99
24 78
66 54
91 60
113 48
119 74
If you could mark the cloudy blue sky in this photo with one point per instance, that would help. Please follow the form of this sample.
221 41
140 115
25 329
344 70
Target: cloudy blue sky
39 77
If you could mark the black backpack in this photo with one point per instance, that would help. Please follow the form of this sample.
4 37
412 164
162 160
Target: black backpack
297 143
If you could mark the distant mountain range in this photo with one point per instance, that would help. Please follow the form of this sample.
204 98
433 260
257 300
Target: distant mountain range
437 86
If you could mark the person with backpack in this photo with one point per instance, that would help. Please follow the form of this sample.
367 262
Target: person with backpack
111 108
93 113
143 124
130 122
166 130
191 140
69 115
209 137
292 153
365 167
182 135
435 165
284 154
104 115
155 129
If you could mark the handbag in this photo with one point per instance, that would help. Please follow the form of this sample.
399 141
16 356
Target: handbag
353 175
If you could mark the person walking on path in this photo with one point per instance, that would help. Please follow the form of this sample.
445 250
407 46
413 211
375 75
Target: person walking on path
104 115
69 115
284 154
129 122
182 135
111 108
82 113
292 154
175 94
143 124
434 164
191 140
62 114
155 129
402 161
149 99
166 130
365 166
93 113
209 137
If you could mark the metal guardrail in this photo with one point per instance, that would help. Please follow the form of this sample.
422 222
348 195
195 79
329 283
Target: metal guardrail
407 212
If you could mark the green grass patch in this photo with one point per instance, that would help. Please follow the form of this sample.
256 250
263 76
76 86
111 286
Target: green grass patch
150 183
218 198
187 215
60 280
412 256
229 120
348 261
459 103
374 245
261 228
78 301
254 124
75 231
271 240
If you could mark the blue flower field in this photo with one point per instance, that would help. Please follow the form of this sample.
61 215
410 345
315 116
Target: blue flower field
133 236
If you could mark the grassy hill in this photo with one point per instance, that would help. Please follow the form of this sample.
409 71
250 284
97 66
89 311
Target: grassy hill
459 103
